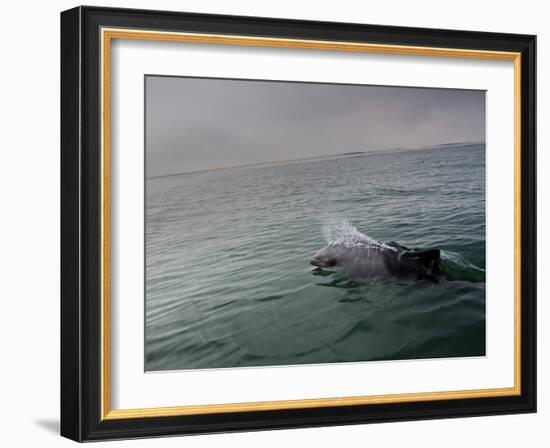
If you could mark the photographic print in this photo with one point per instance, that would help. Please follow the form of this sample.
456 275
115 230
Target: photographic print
249 201
300 223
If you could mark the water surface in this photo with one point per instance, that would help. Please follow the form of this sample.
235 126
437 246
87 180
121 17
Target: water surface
228 280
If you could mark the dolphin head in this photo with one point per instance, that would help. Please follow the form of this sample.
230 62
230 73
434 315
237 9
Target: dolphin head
356 258
330 257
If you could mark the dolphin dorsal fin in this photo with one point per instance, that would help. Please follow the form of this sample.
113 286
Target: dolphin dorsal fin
425 257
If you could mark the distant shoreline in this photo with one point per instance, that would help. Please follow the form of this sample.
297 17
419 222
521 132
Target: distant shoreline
327 157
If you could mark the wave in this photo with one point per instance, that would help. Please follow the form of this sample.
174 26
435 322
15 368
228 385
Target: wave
456 267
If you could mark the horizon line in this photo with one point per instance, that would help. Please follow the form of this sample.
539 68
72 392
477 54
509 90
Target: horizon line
301 159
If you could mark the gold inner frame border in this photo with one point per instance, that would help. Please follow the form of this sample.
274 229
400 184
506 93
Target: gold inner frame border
107 35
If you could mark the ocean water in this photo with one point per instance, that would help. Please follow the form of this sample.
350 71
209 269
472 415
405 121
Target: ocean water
228 279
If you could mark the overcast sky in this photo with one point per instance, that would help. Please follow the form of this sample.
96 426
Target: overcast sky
199 123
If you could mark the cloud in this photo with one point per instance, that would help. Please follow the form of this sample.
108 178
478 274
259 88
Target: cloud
201 123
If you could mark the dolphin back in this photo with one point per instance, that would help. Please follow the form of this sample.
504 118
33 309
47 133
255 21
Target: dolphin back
427 263
425 257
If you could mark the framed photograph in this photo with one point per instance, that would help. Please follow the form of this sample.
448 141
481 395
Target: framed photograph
272 223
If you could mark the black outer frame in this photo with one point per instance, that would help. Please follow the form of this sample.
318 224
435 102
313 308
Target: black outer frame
80 223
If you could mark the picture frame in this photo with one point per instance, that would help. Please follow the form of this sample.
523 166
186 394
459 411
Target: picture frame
87 35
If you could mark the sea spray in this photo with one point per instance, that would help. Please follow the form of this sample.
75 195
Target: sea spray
343 232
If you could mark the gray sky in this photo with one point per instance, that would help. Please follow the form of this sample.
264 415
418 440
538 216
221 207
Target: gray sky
199 123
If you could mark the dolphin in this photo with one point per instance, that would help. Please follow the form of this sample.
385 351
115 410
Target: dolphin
364 257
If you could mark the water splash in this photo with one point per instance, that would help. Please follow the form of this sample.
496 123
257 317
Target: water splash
342 232
458 259
456 267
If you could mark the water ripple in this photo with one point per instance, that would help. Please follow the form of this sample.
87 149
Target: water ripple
228 280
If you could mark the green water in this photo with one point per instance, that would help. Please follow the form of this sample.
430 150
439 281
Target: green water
228 279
